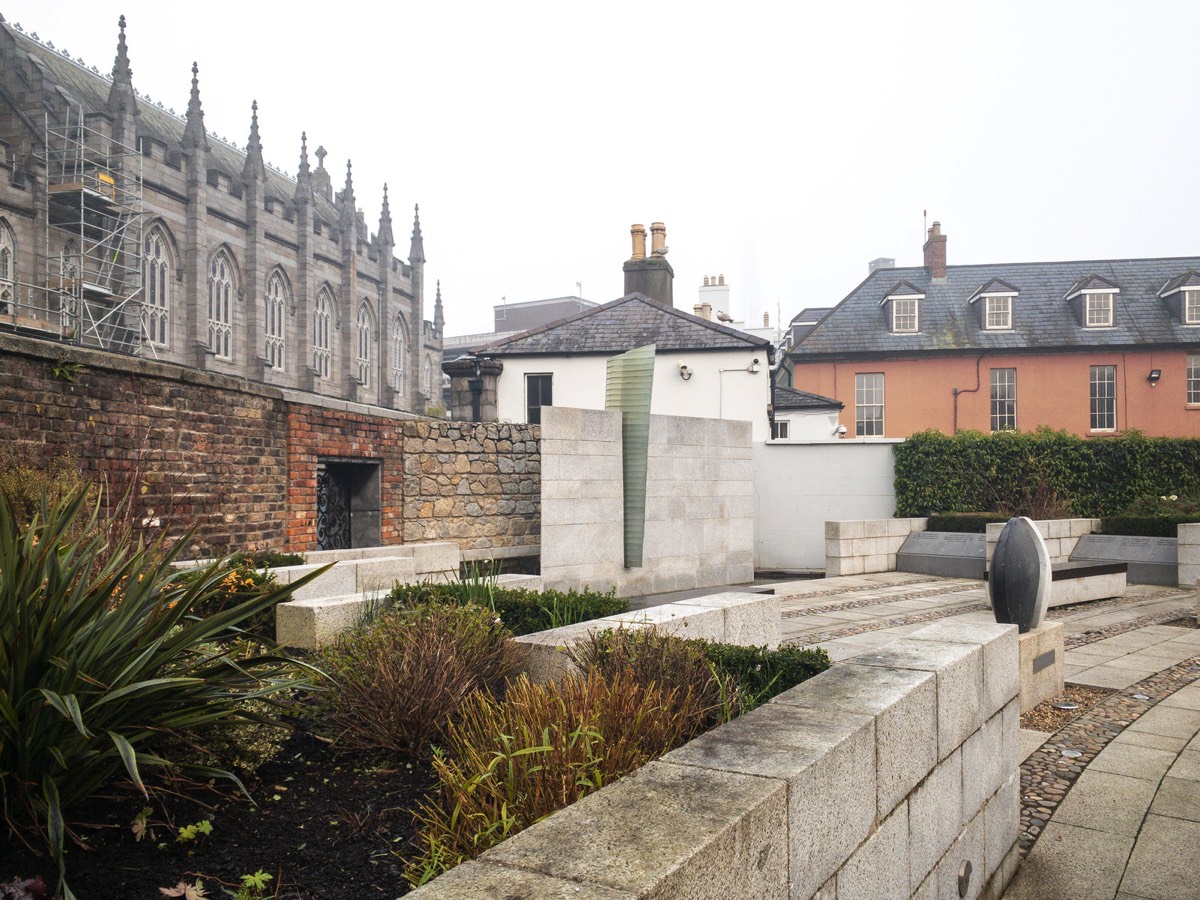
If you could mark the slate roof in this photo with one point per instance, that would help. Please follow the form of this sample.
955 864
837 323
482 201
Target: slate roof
631 321
1043 319
784 398
89 90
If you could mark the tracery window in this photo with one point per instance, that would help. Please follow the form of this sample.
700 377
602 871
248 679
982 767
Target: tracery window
8 268
322 330
399 352
363 358
276 305
220 306
156 283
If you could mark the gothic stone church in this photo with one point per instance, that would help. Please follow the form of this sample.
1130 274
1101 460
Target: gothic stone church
127 227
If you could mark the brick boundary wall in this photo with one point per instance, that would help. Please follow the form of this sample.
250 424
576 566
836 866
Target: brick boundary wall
238 459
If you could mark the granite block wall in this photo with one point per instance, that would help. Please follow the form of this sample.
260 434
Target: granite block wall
699 520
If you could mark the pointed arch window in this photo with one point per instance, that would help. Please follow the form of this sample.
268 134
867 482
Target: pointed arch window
428 379
156 307
363 356
399 353
277 296
68 263
220 306
322 332
8 268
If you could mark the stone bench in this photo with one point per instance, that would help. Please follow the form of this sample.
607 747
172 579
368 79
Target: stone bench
1080 581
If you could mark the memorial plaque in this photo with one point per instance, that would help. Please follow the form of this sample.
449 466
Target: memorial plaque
1151 560
944 553
1019 580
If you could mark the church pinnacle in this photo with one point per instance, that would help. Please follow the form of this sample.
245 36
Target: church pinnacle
122 102
194 134
254 159
385 222
416 253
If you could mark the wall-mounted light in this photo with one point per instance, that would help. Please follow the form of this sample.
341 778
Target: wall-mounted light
684 372
1153 377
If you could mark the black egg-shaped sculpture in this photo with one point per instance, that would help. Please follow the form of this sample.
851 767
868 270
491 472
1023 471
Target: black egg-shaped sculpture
1019 576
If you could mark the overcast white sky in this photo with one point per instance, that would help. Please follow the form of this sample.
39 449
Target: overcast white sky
784 145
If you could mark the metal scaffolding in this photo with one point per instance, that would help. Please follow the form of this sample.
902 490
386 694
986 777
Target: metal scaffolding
92 293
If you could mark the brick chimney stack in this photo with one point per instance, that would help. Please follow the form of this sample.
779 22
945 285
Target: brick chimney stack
935 253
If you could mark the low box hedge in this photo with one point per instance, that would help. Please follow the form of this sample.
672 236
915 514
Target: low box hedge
1146 526
964 523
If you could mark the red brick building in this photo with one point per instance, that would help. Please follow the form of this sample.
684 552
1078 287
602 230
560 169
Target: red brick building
1095 347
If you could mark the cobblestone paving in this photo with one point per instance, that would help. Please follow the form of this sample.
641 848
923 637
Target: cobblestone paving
874 601
1047 775
1084 638
878 624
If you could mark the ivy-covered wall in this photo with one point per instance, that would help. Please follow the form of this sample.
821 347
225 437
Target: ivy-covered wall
1042 474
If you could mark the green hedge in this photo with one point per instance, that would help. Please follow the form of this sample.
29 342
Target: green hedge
1042 474
966 523
1145 526
763 673
521 611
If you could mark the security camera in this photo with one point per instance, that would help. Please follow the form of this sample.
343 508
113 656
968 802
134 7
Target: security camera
840 430
683 365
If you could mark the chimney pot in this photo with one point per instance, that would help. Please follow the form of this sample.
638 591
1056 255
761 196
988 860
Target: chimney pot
706 281
722 281
658 238
766 320
639 241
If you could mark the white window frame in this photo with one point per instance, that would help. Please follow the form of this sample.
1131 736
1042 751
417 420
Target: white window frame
1191 306
998 312
1193 379
322 342
220 306
906 314
1099 309
1102 397
364 329
1002 409
781 430
869 399
156 289
274 315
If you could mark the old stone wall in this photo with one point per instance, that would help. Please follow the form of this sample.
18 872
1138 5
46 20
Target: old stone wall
238 460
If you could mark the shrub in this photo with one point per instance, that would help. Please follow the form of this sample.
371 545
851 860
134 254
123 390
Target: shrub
760 673
651 657
1044 473
398 679
966 523
1146 526
266 559
241 584
99 657
521 611
509 763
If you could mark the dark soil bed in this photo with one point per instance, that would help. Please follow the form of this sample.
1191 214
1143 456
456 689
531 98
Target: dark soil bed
327 827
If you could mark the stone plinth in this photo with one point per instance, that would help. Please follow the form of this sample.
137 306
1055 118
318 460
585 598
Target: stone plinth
1041 664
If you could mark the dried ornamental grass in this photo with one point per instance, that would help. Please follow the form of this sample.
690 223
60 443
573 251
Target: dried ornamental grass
506 764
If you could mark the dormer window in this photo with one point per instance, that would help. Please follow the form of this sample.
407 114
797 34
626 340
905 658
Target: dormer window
996 310
903 308
1098 310
1094 300
1182 296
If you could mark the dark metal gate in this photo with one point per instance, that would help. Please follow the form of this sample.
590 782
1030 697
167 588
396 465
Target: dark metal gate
333 511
